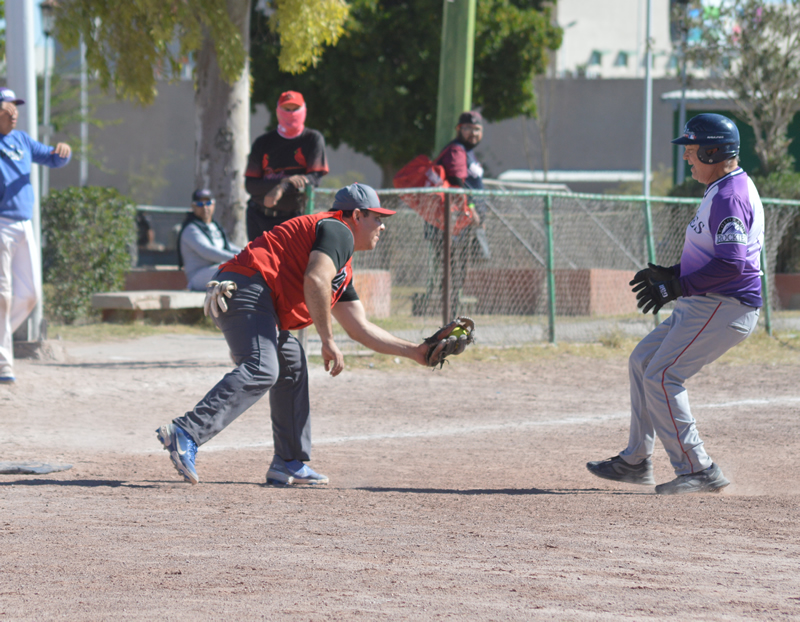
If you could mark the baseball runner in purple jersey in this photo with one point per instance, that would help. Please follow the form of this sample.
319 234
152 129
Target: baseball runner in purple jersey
717 287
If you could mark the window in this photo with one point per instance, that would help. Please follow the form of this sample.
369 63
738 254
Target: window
596 58
621 60
672 64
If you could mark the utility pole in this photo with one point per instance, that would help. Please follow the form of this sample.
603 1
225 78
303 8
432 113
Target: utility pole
648 138
84 170
455 67
47 8
21 75
454 97
648 101
680 168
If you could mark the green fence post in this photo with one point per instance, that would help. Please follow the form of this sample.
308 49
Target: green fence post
447 250
309 199
551 278
651 245
765 289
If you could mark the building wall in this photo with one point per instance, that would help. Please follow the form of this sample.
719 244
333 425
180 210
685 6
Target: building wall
148 153
592 125
610 28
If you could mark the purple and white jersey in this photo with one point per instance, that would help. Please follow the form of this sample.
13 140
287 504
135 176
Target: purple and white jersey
721 253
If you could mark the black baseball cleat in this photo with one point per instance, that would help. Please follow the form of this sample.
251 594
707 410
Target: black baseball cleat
618 470
707 480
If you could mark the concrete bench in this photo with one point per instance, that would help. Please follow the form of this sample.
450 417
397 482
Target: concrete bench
374 288
136 303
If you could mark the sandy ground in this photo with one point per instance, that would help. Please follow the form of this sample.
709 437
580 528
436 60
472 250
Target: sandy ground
460 494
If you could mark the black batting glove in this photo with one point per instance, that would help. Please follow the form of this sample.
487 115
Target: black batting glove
651 274
656 295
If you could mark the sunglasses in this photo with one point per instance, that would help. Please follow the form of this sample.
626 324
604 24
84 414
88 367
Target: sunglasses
204 203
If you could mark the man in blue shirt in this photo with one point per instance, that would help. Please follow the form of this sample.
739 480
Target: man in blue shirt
20 259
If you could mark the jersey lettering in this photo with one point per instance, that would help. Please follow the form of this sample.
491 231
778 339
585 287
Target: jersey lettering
13 153
697 225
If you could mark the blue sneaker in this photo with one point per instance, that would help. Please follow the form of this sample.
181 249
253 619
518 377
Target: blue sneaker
182 450
7 374
293 472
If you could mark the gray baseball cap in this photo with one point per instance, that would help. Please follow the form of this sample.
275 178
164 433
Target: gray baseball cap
359 196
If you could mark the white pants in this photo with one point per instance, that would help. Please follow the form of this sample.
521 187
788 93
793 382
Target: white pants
19 283
699 331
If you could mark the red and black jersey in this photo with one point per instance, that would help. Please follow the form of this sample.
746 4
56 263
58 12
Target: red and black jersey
281 257
274 158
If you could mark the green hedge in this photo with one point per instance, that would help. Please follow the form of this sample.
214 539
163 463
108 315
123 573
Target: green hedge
87 237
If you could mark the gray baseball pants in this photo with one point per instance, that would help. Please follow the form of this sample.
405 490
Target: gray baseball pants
699 331
267 359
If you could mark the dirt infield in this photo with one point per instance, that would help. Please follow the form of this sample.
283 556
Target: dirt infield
460 494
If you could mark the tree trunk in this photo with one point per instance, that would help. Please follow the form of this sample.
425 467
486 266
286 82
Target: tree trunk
388 172
222 129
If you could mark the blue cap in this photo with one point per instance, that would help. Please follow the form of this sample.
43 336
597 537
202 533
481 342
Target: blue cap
359 196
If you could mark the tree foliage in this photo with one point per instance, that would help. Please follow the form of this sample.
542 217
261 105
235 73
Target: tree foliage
377 89
130 45
752 49
305 27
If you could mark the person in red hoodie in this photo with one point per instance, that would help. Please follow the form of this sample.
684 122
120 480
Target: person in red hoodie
298 274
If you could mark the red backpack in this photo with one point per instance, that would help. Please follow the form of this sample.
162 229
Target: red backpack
422 173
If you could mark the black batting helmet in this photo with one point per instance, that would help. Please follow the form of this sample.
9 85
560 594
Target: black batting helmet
716 136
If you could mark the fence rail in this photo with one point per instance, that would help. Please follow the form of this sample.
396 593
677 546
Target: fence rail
558 264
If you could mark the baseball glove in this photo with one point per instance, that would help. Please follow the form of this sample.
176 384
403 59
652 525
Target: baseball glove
216 293
450 339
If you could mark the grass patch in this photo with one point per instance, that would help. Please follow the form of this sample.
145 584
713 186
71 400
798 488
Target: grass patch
106 331
782 349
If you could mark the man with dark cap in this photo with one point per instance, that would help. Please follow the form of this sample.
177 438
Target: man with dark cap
298 274
20 258
463 170
202 243
280 166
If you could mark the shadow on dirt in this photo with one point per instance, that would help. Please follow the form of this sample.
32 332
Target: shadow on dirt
87 483
138 365
500 491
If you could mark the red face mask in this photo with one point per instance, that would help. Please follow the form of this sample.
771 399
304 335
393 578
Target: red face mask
291 123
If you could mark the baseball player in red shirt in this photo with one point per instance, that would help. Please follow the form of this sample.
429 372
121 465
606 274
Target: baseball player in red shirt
298 274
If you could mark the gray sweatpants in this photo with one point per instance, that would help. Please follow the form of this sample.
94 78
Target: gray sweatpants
267 360
699 331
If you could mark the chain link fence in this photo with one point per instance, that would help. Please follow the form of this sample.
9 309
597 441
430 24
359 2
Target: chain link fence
521 288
